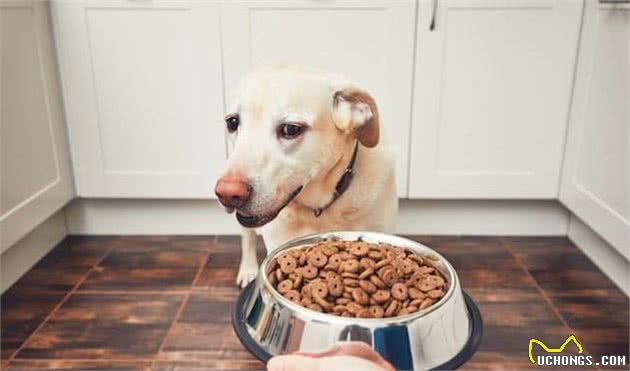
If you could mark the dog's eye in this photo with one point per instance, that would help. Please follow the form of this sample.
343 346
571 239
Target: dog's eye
232 123
290 130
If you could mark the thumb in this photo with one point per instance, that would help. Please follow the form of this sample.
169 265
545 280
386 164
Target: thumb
292 363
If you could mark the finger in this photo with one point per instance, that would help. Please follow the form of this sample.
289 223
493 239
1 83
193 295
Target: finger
293 362
352 348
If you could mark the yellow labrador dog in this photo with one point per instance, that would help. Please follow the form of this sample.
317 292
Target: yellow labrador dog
306 159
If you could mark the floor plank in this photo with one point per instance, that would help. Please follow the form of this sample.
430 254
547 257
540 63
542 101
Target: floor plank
103 326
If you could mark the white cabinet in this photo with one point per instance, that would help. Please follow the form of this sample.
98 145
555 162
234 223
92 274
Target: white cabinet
35 179
369 42
491 97
143 95
595 182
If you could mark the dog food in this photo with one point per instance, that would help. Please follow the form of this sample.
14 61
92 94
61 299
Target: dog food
357 279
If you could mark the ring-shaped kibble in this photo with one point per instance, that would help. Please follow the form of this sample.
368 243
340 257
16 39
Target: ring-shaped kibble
279 275
317 259
293 295
364 313
335 287
360 249
319 289
426 303
353 307
414 293
377 282
342 301
285 286
377 311
399 291
367 263
335 260
329 275
366 273
435 294
309 272
381 296
367 286
392 309
425 286
437 281
288 264
375 254
360 296
329 250
351 265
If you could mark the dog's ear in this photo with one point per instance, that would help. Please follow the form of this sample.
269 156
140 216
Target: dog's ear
354 111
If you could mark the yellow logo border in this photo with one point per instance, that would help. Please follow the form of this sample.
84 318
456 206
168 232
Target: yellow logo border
553 350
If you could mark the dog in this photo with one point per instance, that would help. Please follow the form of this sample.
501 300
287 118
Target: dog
307 157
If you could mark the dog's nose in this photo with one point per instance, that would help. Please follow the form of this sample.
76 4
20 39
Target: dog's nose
232 190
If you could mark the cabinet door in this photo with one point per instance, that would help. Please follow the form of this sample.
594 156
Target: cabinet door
143 94
492 92
369 42
35 178
595 182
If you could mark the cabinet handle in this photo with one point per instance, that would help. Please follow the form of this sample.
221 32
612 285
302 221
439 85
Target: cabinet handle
432 25
614 1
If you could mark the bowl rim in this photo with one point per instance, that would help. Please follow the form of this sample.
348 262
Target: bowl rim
376 236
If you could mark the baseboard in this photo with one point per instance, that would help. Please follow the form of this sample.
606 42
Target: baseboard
198 217
606 257
21 256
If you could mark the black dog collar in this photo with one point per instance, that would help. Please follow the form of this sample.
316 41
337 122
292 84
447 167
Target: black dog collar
343 183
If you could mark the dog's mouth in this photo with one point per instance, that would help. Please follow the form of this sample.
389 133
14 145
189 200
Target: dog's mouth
255 221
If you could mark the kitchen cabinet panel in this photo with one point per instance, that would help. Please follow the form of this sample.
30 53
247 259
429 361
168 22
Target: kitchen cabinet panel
595 182
491 97
369 42
143 94
35 178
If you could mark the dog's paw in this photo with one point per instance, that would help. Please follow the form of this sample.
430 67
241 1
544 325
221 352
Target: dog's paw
246 273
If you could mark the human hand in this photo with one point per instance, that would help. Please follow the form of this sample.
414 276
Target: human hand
347 356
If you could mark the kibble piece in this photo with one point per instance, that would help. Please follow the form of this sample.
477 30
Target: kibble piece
360 296
426 303
335 287
360 249
381 296
392 309
368 286
310 272
377 282
414 293
350 265
364 313
399 291
335 260
366 273
435 294
288 264
377 311
353 307
285 286
317 259
293 295
319 289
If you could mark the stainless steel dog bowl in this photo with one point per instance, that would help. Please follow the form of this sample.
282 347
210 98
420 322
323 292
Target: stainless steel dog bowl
443 336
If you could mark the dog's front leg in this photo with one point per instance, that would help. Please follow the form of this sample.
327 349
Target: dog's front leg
249 264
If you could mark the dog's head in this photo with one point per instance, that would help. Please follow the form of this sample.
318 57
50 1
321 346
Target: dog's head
288 126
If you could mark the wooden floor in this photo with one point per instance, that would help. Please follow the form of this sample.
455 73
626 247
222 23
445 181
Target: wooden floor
163 303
